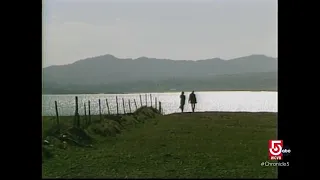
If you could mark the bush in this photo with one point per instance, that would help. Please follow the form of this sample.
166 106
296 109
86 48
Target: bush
106 128
146 112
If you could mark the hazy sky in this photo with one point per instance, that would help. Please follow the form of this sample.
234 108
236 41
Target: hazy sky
173 29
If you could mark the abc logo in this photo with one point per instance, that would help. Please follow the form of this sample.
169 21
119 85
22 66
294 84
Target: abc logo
286 151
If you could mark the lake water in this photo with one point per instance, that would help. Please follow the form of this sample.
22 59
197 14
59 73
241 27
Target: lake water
227 101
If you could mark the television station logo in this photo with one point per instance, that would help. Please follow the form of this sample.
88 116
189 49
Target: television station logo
276 150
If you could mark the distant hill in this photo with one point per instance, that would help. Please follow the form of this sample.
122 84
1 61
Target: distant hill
108 74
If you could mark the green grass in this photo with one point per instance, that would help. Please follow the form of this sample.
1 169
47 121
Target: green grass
198 145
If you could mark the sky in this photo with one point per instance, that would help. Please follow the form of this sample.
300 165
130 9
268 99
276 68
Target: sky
169 29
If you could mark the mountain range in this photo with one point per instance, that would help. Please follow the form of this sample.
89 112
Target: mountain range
109 74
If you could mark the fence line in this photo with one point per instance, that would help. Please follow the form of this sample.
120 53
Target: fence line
108 105
86 109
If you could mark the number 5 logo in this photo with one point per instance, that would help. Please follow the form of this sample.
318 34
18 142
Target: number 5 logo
275 147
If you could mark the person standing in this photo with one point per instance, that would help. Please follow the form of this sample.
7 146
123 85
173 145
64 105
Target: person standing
182 101
193 100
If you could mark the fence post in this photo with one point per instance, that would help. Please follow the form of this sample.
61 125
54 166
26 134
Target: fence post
89 112
146 100
135 103
117 105
57 114
160 107
150 100
124 108
100 110
85 114
155 104
77 118
129 106
108 106
140 100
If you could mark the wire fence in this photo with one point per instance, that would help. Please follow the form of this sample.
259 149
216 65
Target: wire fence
86 110
104 106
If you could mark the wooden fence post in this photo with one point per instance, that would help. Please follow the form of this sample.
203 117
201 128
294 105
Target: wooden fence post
156 103
117 105
108 106
150 100
57 114
89 112
76 114
124 108
140 100
100 110
135 103
129 106
146 100
85 114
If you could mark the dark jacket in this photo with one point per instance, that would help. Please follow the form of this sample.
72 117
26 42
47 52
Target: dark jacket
192 98
182 99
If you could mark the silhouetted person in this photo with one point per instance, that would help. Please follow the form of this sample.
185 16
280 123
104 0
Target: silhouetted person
193 100
182 101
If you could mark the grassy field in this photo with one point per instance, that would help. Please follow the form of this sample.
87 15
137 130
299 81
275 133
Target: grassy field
190 145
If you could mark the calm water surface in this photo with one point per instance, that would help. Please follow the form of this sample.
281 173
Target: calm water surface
231 101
